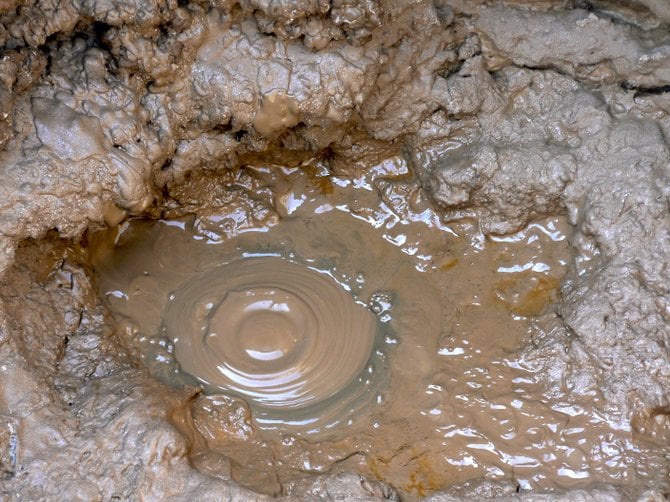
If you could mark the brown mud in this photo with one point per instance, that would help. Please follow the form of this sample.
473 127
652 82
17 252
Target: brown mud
445 399
482 185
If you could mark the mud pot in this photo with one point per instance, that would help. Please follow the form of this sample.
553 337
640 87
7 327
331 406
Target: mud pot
361 250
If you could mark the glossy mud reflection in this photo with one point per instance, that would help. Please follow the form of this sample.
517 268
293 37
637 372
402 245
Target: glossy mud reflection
269 330
440 397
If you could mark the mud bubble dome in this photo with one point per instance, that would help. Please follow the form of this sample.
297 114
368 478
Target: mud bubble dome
278 333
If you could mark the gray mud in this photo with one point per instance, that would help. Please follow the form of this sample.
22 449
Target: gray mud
448 146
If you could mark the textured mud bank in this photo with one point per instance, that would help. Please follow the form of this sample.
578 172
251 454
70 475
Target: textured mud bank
452 139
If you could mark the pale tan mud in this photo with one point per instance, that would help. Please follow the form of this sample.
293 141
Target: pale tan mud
275 332
442 395
533 361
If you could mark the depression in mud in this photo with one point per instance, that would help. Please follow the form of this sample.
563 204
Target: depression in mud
334 250
358 332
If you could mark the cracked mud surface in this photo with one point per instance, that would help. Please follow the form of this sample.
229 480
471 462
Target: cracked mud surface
507 117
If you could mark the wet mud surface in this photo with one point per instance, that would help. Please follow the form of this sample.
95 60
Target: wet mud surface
481 188
443 399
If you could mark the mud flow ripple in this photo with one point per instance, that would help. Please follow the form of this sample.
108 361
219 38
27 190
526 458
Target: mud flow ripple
275 332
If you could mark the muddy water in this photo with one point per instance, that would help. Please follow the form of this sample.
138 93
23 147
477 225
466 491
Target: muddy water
269 330
352 329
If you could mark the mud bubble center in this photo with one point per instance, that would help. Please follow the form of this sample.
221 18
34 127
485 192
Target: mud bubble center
280 334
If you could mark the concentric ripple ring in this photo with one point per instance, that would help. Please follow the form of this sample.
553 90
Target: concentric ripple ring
281 334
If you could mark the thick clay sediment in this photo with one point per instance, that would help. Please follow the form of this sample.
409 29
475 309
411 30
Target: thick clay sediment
507 112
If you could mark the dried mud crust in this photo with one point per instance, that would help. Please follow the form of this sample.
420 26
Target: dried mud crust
508 111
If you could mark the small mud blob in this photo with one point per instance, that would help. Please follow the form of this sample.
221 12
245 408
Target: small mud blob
275 332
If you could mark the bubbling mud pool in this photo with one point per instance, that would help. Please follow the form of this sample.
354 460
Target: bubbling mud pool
348 328
269 330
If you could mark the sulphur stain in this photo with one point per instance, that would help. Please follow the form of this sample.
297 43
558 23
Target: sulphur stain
448 264
421 476
424 478
526 293
317 179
